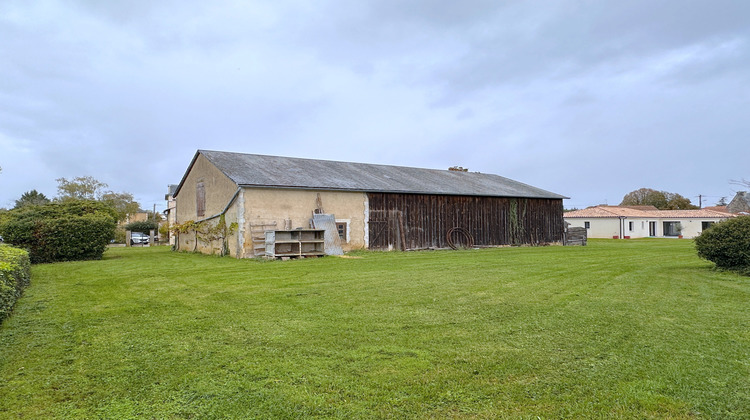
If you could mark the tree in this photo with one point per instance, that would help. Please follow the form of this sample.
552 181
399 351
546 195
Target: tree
156 217
89 188
31 198
79 188
645 197
123 203
144 226
662 200
678 202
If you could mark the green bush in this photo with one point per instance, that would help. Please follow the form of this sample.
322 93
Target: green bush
15 274
72 230
144 226
727 244
119 235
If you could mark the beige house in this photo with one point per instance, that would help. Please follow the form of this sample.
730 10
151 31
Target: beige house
140 216
643 221
374 206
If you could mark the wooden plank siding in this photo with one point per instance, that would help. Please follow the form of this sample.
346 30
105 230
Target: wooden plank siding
425 220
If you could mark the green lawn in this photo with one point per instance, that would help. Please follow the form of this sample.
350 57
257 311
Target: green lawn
617 329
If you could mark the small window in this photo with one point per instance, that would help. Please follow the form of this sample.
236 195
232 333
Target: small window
587 225
631 226
200 200
341 227
706 225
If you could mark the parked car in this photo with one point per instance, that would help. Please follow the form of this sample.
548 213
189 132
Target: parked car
138 238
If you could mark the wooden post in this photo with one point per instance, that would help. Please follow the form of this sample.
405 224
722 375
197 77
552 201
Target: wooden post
401 230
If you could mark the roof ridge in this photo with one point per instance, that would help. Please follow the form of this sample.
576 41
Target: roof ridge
247 169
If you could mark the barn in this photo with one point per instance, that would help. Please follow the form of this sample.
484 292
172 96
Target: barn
377 207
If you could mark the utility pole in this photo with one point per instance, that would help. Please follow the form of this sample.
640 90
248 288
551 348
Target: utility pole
700 201
156 233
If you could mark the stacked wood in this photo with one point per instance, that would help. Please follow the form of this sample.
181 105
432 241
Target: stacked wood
576 236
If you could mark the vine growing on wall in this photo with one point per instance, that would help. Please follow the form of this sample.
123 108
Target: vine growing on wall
207 232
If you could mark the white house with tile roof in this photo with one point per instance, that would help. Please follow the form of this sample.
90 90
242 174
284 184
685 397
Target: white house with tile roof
643 221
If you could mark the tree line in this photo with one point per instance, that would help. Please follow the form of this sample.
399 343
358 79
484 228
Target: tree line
83 188
662 200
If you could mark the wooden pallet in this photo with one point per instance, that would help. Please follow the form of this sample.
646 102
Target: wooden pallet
258 237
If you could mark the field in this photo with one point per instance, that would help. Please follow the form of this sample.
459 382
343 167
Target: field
617 329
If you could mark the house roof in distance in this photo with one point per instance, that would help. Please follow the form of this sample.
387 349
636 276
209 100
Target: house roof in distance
250 170
599 212
740 204
722 209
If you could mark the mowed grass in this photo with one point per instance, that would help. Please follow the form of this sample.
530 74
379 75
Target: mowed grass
617 329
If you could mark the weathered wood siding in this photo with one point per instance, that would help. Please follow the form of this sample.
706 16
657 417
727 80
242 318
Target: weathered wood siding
412 221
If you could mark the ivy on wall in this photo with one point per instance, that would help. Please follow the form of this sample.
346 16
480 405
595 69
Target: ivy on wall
207 232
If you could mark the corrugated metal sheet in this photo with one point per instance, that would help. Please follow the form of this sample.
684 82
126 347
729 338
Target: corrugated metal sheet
285 172
327 222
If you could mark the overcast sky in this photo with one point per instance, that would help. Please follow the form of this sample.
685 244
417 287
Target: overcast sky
589 99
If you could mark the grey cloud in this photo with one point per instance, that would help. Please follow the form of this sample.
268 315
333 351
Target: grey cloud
626 89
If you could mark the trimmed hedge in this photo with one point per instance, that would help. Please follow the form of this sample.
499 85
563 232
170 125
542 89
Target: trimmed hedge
67 231
727 244
144 226
15 275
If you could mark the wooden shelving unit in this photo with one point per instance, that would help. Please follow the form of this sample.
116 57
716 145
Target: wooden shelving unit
299 243
258 237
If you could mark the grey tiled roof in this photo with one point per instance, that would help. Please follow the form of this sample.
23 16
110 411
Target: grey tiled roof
740 203
284 172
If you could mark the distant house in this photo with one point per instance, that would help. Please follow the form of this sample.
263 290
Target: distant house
139 216
643 221
375 206
170 211
740 204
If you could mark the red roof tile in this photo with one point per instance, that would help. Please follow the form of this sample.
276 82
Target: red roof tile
617 211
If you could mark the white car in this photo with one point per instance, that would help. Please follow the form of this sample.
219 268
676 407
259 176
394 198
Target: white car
138 238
